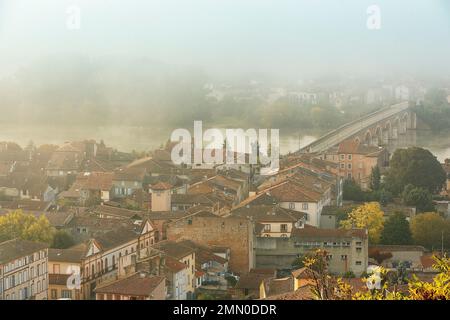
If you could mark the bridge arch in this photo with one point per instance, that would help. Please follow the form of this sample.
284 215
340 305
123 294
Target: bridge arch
378 136
358 140
388 130
404 122
368 138
396 128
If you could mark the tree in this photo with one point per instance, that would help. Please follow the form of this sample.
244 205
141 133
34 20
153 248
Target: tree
418 197
367 216
379 256
396 230
352 191
416 166
298 262
16 224
375 178
62 240
428 228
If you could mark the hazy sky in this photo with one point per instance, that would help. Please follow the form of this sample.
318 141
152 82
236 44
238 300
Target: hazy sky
283 36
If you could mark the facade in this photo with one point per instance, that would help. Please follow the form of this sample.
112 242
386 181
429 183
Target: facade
177 275
275 221
298 195
186 256
64 271
235 233
23 270
103 255
161 196
357 160
347 249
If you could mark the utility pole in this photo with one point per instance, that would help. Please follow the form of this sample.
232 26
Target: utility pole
442 243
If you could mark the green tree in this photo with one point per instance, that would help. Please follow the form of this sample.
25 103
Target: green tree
16 224
416 166
429 228
62 240
375 178
352 191
418 197
298 262
396 230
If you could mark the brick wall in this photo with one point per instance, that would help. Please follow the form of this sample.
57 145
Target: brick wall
233 232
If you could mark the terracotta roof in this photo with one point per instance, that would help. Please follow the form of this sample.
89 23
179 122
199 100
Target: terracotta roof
115 238
65 255
161 186
119 212
174 265
266 213
292 192
251 280
427 261
174 249
17 248
93 181
302 293
135 285
355 147
129 174
278 286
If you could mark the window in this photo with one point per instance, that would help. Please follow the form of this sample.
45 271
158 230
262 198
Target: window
358 263
349 175
358 249
358 243
56 268
342 156
54 294
349 157
284 228
349 166
344 257
267 227
342 165
304 206
66 294
291 205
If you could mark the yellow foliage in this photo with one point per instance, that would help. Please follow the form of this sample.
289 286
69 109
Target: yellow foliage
368 216
16 224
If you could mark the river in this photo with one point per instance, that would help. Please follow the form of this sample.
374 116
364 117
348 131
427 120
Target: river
128 138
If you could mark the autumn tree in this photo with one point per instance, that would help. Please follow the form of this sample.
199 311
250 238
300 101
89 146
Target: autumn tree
429 228
396 230
368 216
16 224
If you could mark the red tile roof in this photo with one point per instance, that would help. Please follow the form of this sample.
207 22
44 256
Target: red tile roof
135 285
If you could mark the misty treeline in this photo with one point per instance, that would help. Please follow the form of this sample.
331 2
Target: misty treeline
81 91
435 110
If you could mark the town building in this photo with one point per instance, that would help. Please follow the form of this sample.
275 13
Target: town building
64 269
23 270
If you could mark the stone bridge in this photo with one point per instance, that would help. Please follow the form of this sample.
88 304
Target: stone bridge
376 128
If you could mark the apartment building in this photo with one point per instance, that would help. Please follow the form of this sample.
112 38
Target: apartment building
23 270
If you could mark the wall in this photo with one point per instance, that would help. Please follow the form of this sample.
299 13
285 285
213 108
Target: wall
233 232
